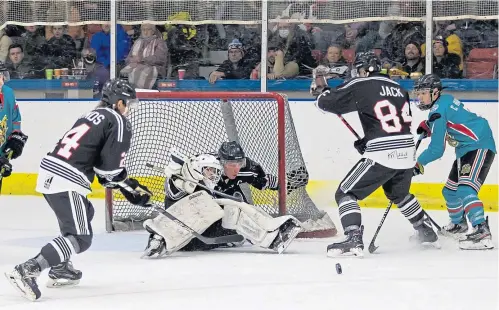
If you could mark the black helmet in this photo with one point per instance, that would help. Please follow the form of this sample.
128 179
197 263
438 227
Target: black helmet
118 89
231 152
427 82
367 61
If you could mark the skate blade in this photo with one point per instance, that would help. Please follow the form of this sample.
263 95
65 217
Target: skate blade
26 292
51 283
355 252
457 237
485 244
292 235
149 255
431 245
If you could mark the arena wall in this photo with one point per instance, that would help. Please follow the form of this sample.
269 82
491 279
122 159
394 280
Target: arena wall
326 144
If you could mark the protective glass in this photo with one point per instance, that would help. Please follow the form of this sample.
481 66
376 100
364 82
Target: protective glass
6 75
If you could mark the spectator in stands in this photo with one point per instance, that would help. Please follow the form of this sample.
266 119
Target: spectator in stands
35 45
414 61
277 66
236 67
20 67
393 50
101 43
360 37
95 70
5 42
446 29
147 59
61 49
184 46
251 38
295 46
335 61
445 64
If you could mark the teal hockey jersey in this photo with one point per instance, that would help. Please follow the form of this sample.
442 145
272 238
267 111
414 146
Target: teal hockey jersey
10 116
466 130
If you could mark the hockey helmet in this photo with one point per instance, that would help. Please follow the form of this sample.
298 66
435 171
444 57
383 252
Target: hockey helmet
231 152
209 167
367 61
119 89
427 84
4 72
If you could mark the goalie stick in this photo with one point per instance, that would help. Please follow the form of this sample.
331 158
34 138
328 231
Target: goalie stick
205 240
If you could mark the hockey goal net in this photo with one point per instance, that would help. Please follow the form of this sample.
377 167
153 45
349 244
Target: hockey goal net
198 122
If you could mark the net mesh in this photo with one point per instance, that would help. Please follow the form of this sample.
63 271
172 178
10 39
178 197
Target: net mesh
195 126
80 12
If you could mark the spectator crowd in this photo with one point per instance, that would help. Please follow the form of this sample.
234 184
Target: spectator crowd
147 53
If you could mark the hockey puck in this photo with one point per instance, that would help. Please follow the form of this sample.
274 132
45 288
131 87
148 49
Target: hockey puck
338 269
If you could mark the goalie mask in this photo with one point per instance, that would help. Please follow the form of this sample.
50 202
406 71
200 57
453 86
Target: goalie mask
210 168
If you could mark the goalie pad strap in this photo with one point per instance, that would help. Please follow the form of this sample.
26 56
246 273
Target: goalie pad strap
198 211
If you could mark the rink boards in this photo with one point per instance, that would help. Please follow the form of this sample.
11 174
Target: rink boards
326 145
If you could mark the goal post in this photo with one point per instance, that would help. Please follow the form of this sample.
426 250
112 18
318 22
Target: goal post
198 122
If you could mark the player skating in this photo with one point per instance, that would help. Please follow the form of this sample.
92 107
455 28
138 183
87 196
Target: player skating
12 140
475 151
223 173
95 145
388 151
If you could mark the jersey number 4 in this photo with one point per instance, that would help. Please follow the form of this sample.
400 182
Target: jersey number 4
70 140
390 122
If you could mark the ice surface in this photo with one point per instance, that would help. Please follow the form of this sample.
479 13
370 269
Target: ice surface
400 276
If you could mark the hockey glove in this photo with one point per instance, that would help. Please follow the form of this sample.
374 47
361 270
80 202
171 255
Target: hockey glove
360 146
16 142
272 182
5 167
135 193
418 169
424 129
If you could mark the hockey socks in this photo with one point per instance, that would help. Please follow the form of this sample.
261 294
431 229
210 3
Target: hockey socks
411 209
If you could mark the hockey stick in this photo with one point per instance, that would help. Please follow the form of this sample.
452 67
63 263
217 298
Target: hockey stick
205 240
223 195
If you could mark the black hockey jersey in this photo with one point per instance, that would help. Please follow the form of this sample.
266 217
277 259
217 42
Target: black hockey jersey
252 173
96 144
385 114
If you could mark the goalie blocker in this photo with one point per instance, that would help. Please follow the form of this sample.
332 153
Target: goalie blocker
199 211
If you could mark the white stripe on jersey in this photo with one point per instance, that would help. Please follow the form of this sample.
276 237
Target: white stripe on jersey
366 79
109 175
119 122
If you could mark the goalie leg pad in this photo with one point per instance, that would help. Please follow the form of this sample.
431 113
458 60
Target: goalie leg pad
256 225
198 211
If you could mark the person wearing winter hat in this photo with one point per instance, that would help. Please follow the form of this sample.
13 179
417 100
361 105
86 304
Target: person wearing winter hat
445 64
236 67
413 60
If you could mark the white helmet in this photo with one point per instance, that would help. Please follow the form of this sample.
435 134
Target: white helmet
209 167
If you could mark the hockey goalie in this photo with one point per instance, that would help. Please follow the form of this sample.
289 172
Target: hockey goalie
190 184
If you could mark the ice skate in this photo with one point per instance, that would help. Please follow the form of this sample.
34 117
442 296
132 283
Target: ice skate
455 231
23 278
156 247
351 246
425 235
479 239
287 233
63 275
